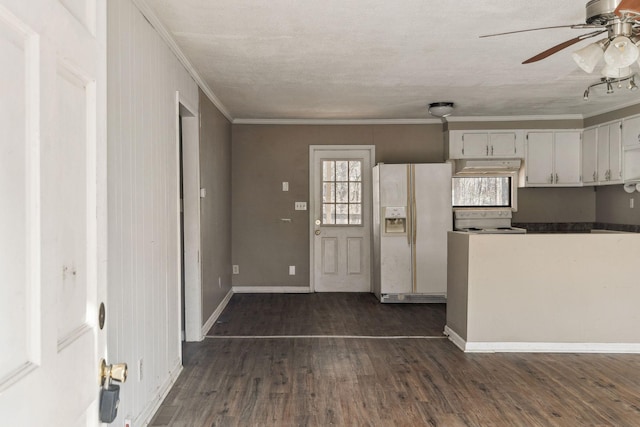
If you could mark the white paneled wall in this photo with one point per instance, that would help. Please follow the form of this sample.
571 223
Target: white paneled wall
143 312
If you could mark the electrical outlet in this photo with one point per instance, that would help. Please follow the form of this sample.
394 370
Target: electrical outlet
300 206
140 372
236 269
292 270
285 186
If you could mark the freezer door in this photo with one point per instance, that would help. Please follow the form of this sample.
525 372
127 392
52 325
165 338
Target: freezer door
395 249
432 221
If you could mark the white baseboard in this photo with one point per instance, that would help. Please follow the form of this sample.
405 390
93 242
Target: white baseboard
216 313
271 289
539 347
455 338
147 415
551 347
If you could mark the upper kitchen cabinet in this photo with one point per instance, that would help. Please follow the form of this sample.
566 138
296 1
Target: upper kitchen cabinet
590 156
631 149
553 159
609 168
467 144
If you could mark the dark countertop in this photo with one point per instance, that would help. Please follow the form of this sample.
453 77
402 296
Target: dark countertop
574 227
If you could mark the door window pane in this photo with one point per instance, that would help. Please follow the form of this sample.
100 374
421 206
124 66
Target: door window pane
342 192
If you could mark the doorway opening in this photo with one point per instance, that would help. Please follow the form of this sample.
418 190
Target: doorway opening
188 152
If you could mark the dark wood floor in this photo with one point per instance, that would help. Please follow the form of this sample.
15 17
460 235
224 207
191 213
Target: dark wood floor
327 314
321 381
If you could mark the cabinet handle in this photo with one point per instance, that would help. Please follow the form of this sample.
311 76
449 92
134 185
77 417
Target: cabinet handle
492 150
487 150
463 148
556 178
551 178
594 176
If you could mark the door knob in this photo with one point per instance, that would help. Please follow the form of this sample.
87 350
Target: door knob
116 372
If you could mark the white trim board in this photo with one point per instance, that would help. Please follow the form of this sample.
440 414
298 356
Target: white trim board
271 289
539 347
216 314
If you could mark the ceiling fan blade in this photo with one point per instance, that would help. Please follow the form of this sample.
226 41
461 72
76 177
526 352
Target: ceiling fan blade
575 26
628 5
563 45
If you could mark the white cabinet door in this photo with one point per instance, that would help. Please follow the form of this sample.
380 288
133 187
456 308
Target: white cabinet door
502 144
631 131
603 153
475 145
568 168
539 158
609 154
589 156
615 153
553 158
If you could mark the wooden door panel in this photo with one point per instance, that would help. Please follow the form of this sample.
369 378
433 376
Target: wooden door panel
329 255
354 255
19 189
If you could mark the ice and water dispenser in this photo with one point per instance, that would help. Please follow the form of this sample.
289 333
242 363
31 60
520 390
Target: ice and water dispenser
395 220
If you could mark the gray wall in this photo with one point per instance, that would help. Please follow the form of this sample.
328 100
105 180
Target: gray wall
612 205
215 208
264 156
556 205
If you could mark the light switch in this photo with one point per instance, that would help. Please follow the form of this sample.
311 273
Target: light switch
301 206
203 193
285 186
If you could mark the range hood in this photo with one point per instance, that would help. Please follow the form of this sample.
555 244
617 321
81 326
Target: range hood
486 166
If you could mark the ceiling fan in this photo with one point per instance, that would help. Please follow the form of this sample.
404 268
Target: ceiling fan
620 19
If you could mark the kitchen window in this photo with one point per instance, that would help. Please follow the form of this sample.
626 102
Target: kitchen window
483 191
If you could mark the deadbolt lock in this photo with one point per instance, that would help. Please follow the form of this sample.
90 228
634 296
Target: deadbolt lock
317 232
117 372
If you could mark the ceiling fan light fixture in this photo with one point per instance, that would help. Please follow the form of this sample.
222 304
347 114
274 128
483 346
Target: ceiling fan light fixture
588 57
609 87
441 109
622 52
616 73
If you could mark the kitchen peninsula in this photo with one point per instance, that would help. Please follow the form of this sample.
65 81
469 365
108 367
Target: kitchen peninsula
544 292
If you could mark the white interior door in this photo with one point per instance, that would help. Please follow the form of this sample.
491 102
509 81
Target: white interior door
52 196
341 217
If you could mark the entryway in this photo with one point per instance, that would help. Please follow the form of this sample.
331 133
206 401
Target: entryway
340 217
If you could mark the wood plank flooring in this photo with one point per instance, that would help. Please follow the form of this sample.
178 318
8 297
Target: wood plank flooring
384 382
326 314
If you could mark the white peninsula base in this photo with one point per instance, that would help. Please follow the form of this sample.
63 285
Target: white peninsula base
544 292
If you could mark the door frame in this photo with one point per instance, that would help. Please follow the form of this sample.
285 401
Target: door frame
313 151
191 208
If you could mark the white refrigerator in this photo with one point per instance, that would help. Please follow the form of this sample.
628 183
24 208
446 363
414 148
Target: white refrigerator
412 215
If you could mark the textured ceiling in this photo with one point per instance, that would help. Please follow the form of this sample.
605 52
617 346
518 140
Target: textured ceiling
384 59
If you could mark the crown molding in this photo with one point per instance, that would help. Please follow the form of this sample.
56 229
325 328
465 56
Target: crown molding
611 110
337 121
157 24
513 118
